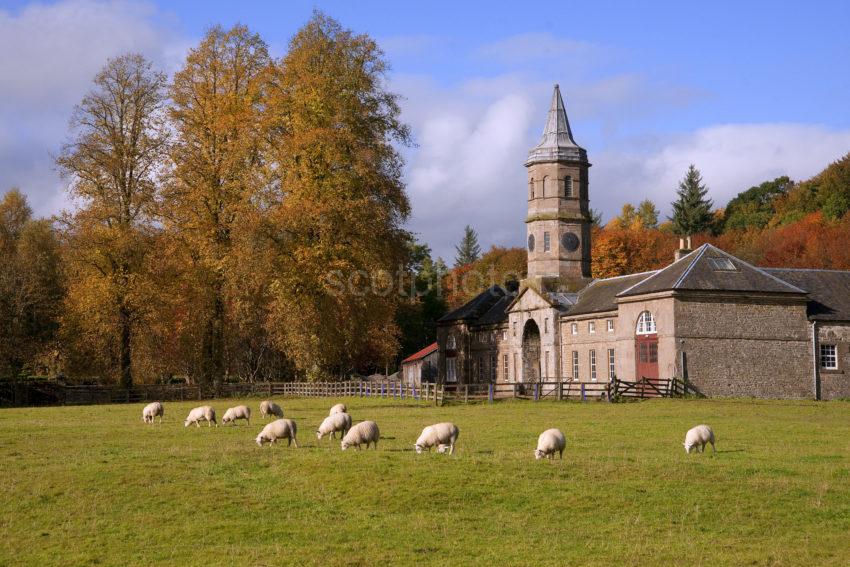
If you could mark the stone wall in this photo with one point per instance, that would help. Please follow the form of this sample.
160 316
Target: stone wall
746 347
835 384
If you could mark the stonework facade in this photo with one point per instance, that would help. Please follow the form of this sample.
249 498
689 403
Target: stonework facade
724 326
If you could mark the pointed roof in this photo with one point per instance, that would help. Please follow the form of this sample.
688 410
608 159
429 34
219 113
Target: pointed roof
710 269
557 143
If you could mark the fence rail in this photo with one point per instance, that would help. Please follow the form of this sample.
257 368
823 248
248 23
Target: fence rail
52 393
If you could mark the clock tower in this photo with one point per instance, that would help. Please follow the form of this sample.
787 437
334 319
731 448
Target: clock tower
558 222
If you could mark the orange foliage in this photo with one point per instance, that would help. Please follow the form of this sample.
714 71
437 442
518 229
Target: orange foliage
618 251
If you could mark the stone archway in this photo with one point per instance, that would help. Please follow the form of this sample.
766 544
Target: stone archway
531 352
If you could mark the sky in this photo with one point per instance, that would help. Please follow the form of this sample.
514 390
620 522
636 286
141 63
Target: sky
746 91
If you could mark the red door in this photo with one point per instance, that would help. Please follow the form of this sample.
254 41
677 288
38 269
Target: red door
646 353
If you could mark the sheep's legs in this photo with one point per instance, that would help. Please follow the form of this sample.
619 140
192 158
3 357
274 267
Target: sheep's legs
296 442
713 448
452 449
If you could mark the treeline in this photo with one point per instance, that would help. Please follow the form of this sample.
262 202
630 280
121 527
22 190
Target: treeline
230 222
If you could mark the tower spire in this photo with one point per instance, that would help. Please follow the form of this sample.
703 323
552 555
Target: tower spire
557 143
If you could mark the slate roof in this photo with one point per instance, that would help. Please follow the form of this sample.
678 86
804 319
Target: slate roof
557 142
829 291
487 303
601 294
710 269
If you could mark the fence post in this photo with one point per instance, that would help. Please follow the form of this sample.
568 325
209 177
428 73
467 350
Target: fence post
560 390
515 389
466 393
536 391
490 393
583 396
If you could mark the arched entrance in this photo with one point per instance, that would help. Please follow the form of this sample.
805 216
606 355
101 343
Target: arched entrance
531 352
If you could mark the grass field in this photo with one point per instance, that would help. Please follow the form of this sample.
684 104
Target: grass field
94 485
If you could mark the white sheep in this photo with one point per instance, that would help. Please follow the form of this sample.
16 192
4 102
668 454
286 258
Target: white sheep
238 412
697 437
335 422
437 435
550 442
339 408
152 410
269 408
201 413
279 429
364 432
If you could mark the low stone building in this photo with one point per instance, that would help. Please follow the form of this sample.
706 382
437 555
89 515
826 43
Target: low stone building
725 326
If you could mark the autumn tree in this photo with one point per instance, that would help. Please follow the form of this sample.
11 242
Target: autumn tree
467 250
30 289
496 267
117 142
755 207
692 210
217 169
337 201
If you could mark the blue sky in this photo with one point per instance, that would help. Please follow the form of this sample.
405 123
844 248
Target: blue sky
745 90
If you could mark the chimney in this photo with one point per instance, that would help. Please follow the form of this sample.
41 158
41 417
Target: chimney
684 248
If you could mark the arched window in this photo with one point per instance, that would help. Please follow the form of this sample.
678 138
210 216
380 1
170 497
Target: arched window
568 186
645 324
531 188
545 179
451 344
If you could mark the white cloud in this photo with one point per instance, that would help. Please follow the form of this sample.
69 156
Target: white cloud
731 157
524 48
51 54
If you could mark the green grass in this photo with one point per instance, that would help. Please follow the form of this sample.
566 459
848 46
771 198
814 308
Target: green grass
94 485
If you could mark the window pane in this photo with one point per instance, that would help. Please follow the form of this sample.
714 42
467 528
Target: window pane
653 352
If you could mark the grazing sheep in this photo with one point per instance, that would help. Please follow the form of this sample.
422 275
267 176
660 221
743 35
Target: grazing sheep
698 437
279 429
335 422
364 432
239 412
437 435
550 442
339 408
151 411
269 408
201 413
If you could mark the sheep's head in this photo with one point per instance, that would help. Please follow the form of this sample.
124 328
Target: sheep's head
186 423
538 454
418 449
344 445
319 434
687 448
260 439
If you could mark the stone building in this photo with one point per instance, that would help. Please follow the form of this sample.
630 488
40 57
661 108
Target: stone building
729 328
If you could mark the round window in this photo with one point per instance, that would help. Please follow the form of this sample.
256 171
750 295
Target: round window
531 243
570 241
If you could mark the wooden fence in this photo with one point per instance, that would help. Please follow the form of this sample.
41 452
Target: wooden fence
52 393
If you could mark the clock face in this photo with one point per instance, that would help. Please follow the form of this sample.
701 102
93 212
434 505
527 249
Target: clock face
531 243
570 241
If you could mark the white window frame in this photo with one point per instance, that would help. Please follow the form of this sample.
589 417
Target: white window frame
575 366
574 328
504 335
612 369
610 325
646 324
505 363
451 342
451 369
591 327
829 357
592 365
547 242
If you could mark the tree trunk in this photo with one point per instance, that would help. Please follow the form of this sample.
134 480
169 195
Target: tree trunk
212 365
125 355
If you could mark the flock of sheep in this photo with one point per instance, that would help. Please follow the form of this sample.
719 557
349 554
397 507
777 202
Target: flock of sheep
443 436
